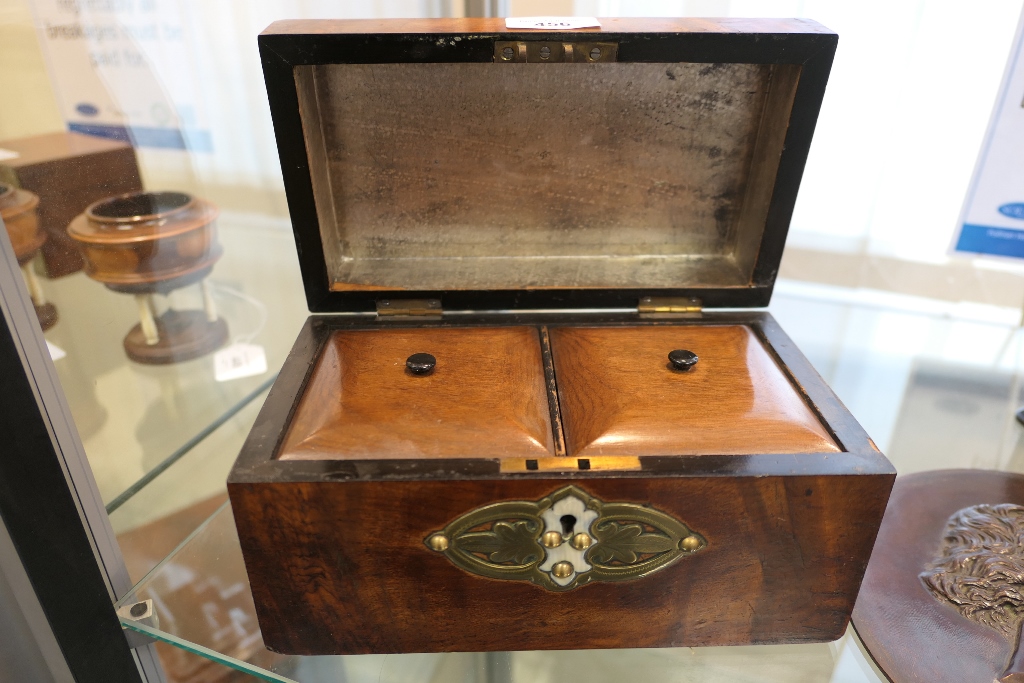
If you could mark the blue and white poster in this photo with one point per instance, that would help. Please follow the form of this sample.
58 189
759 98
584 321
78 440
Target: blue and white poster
992 220
123 69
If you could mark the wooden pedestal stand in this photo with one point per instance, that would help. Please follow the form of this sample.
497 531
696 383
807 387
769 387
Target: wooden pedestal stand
18 210
174 335
154 243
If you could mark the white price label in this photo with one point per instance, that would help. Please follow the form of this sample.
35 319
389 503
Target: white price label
8 154
56 353
239 360
552 23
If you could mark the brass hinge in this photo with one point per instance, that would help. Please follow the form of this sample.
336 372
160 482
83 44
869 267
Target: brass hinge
404 308
669 307
541 51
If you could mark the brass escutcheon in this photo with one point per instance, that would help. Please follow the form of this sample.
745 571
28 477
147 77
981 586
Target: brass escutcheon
565 540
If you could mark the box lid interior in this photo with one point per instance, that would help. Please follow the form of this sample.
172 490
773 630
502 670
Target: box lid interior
426 167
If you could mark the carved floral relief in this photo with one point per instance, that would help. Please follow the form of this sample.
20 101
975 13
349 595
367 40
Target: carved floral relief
979 570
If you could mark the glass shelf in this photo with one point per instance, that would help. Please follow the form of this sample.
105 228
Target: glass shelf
161 438
131 416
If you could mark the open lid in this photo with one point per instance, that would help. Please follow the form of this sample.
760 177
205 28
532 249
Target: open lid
494 169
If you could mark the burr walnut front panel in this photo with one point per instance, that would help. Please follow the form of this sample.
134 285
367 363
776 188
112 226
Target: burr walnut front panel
485 397
619 394
342 567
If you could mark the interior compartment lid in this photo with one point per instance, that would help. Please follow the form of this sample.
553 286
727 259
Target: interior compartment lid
495 169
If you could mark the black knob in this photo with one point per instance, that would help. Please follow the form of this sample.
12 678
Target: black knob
420 363
682 359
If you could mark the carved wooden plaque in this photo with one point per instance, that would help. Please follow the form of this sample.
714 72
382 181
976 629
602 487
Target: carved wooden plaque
943 596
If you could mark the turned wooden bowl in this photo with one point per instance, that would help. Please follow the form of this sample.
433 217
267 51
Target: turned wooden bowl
18 209
146 242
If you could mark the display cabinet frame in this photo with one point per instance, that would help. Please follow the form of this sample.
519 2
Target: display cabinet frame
51 506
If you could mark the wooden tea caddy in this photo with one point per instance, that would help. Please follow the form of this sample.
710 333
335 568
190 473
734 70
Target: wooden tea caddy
20 216
479 441
146 243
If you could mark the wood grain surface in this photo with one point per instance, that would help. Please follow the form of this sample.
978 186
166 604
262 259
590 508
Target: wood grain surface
619 397
911 635
478 25
154 249
342 567
486 397
183 336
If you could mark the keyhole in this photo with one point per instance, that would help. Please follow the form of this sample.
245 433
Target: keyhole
568 524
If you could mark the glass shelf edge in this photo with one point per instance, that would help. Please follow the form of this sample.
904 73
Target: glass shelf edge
225 417
206 652
130 596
